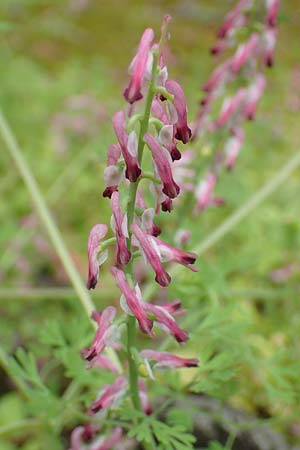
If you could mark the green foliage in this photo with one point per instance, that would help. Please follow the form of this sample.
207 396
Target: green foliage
168 436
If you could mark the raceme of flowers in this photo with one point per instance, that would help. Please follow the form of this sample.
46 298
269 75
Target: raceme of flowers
158 132
246 65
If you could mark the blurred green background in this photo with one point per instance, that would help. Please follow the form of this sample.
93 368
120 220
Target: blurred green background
63 67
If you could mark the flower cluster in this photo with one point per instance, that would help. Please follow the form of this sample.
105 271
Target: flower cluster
247 63
160 129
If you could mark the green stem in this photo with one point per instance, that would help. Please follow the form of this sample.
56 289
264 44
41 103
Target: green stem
131 322
48 222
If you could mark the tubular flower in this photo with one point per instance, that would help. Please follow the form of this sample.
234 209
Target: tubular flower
233 17
218 77
182 131
104 334
230 106
165 320
172 254
119 225
95 256
269 42
166 138
253 95
76 438
128 147
164 359
244 52
103 362
233 147
110 394
205 193
132 301
272 12
113 173
108 443
152 254
144 397
133 92
163 165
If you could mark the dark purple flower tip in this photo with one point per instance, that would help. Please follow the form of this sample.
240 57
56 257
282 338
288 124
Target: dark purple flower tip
133 173
108 191
167 205
163 279
156 230
175 154
183 134
96 235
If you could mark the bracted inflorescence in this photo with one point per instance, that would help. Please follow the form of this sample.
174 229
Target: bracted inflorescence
157 130
243 75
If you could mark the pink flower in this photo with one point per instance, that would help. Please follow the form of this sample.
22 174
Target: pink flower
159 111
167 139
245 52
163 165
269 42
133 92
110 394
144 397
104 335
167 205
128 146
165 320
119 225
108 443
233 147
113 174
173 308
182 131
103 362
230 106
76 438
205 193
219 76
272 12
96 235
152 255
132 301
164 359
182 237
253 95
233 17
172 254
